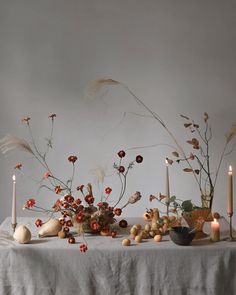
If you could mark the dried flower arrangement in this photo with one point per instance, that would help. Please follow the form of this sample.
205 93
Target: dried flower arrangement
200 144
78 211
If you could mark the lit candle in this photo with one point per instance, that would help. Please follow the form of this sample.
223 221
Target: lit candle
215 231
167 182
230 192
13 220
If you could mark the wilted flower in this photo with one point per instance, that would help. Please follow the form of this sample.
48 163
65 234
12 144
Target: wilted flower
57 189
18 166
25 120
52 116
80 188
134 198
152 197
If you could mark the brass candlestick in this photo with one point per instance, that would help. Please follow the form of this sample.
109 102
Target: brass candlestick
13 225
231 238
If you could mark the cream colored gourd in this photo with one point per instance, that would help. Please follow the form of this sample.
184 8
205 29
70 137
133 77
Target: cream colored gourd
50 228
22 235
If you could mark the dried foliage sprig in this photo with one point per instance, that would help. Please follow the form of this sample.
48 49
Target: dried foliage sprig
202 174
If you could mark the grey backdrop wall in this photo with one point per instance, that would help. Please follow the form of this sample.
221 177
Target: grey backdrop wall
179 56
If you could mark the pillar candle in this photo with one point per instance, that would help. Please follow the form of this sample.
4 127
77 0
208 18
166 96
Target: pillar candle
215 231
230 192
13 220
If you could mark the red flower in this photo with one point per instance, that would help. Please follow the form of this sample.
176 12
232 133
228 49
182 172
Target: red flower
103 205
69 199
57 189
30 203
47 174
80 217
66 205
71 240
78 202
62 221
121 169
108 190
69 223
80 188
58 203
66 229
139 159
113 233
38 222
83 248
72 159
89 199
117 211
121 154
94 225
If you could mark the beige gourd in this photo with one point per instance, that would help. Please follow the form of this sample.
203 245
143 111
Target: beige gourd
22 234
50 228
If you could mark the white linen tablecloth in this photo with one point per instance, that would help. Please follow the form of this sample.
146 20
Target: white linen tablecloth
52 266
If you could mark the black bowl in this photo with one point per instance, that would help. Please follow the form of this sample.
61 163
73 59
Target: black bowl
182 235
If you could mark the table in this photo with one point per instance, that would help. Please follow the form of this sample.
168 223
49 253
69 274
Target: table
52 266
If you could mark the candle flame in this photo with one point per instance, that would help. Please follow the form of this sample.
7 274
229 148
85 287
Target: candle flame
14 178
166 161
215 220
230 168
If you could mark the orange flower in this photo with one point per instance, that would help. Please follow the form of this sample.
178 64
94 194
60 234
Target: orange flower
57 189
30 203
25 120
38 222
18 166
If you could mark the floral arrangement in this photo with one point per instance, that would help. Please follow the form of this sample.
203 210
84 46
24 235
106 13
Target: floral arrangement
77 205
197 159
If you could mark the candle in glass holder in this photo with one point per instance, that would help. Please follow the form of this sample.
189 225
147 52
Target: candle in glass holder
230 192
215 231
